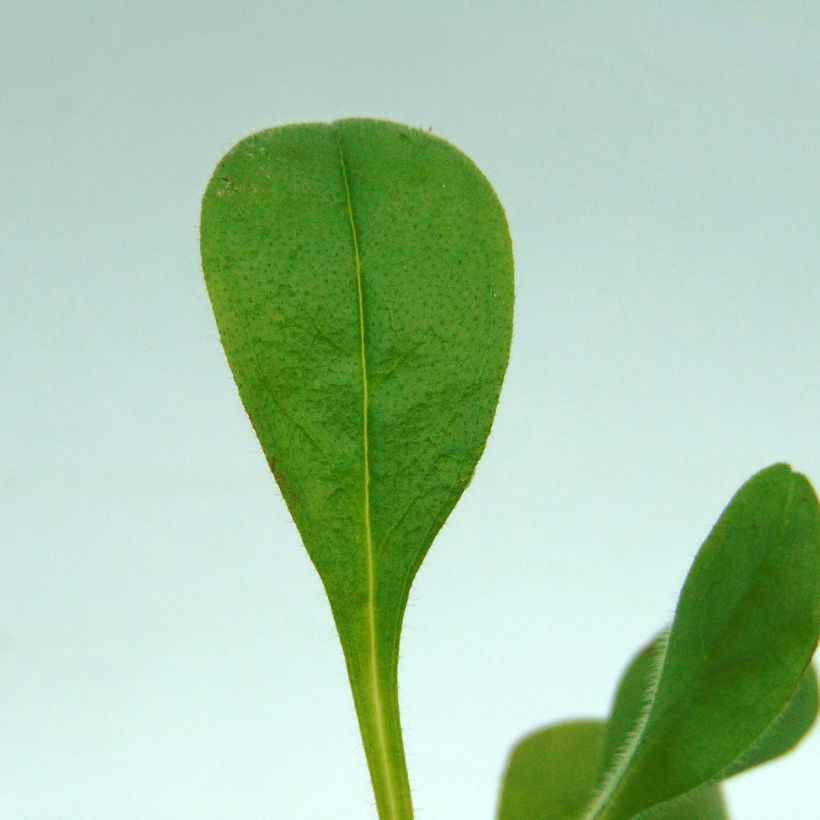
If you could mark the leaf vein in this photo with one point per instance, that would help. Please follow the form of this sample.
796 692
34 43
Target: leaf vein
368 532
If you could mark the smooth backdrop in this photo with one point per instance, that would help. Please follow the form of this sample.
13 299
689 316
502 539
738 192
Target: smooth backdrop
166 652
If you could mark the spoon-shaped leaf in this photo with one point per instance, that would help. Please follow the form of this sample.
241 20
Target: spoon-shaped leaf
551 775
745 629
361 277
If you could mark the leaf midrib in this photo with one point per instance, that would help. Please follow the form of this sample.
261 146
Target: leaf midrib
368 532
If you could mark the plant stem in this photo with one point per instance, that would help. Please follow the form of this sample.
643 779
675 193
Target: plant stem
375 694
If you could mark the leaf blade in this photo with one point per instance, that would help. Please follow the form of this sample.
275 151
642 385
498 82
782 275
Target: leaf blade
361 277
550 774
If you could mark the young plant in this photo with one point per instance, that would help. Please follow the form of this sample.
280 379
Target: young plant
361 276
728 687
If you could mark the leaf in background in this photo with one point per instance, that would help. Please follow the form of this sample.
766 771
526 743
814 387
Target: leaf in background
793 723
361 277
745 629
788 729
630 701
704 803
551 775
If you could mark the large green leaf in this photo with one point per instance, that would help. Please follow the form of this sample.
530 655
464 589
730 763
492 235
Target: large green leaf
745 629
361 277
551 775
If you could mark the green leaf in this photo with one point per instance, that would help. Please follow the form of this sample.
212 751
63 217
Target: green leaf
780 737
551 775
361 277
704 803
631 699
788 729
745 629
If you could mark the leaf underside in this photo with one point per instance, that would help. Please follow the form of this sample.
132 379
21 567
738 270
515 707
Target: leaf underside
361 277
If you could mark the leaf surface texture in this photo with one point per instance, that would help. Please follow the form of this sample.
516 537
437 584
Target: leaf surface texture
361 277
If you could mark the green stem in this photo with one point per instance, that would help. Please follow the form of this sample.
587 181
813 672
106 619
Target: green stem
375 694
373 670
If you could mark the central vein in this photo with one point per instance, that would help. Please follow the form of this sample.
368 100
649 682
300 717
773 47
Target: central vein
368 534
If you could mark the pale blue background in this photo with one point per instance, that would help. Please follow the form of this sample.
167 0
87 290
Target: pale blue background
166 652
